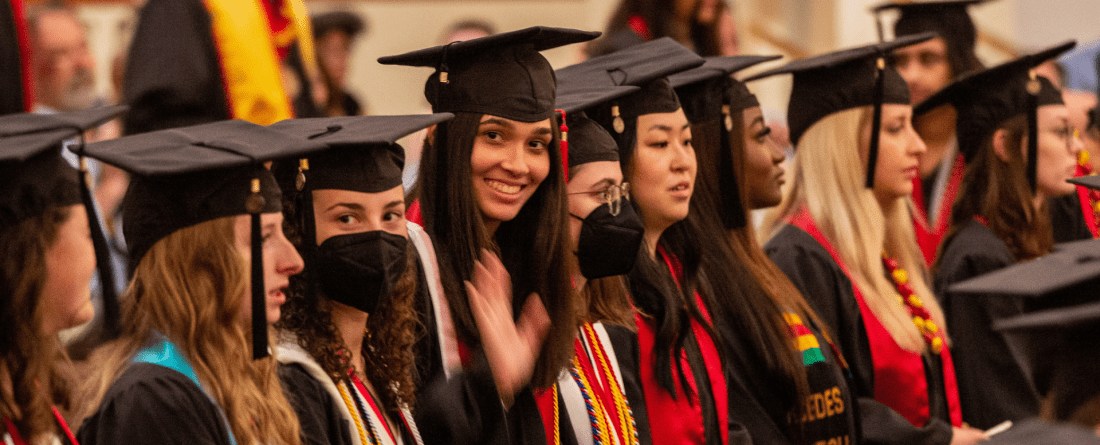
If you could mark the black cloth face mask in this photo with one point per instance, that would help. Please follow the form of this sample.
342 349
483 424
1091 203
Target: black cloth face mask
360 269
608 244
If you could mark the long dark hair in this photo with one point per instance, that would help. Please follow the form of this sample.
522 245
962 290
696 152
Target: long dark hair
998 191
766 291
957 31
657 16
534 246
391 332
655 291
34 364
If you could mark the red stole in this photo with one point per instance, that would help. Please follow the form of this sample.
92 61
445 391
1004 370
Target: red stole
899 374
681 418
1085 199
600 381
24 54
929 236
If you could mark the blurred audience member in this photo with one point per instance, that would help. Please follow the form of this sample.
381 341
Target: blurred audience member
333 34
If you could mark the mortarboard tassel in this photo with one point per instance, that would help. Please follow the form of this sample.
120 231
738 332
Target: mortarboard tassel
733 212
1033 88
876 120
254 205
617 120
108 327
563 145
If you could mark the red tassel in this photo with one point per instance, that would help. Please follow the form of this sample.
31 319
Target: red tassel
564 146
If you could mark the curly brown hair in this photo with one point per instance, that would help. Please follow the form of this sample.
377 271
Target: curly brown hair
34 370
391 334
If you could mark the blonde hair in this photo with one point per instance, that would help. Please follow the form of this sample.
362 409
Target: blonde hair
190 287
827 181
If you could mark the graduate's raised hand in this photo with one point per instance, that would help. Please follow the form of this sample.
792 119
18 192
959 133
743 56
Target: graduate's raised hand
511 345
966 435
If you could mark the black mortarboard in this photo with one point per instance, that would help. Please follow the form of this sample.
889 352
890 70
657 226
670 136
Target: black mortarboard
984 100
186 176
645 65
363 156
637 65
1061 349
843 80
502 75
34 176
706 89
1068 276
620 117
588 141
944 17
345 21
1091 181
710 93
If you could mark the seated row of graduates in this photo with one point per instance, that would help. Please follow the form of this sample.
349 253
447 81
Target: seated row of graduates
610 291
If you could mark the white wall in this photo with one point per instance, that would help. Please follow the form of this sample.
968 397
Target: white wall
401 25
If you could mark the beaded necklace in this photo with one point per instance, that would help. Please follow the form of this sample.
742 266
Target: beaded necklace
912 302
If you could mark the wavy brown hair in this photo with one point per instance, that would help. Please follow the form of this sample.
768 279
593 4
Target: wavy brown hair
34 369
391 332
997 190
191 287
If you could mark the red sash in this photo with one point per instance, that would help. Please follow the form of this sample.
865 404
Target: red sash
899 374
929 236
1086 201
600 380
680 420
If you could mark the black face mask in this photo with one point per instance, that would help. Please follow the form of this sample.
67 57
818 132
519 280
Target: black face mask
360 269
608 244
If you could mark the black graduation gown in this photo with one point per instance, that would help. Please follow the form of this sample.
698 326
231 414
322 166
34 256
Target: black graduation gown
829 292
1066 219
466 409
630 360
321 422
173 75
154 405
1034 431
755 403
993 386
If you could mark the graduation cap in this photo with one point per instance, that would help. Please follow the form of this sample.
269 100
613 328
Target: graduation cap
637 65
1060 347
640 65
345 21
363 156
843 80
1091 181
34 177
944 17
1068 276
984 100
185 176
591 142
502 75
709 93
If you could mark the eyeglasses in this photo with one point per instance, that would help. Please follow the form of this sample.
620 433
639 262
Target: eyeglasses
1068 134
613 195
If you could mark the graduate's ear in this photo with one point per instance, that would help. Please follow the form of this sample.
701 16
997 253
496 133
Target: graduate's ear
1000 144
429 138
